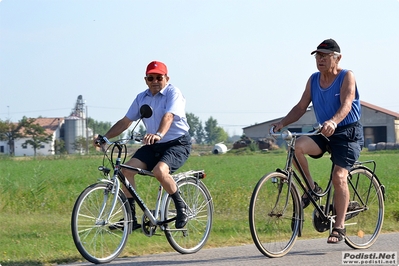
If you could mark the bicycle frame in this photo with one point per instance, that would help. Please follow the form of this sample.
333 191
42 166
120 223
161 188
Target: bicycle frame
291 173
276 215
119 178
158 217
288 170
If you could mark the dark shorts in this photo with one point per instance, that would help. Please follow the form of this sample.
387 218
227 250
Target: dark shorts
344 145
174 153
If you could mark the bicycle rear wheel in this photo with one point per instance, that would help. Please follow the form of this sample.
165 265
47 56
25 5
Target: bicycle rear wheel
274 215
97 238
364 224
199 202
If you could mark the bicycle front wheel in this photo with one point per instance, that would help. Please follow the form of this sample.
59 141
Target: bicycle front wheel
274 215
366 208
199 203
99 231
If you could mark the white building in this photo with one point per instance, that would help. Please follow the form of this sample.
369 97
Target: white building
51 125
69 129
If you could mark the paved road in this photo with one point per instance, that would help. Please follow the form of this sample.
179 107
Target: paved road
305 253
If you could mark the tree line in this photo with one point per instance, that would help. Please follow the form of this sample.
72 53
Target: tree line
208 133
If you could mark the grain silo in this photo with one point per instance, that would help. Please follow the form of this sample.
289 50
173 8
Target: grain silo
75 127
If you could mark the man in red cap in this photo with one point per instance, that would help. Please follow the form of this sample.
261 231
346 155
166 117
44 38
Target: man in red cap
336 104
167 141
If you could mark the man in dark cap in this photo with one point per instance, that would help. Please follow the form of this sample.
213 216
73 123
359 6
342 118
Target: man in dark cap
335 98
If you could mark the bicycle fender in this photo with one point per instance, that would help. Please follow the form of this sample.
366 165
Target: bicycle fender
187 175
105 181
281 171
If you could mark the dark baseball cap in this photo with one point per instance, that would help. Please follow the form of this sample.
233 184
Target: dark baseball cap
327 46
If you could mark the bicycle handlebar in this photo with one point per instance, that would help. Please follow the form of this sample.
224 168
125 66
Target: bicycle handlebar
288 135
104 140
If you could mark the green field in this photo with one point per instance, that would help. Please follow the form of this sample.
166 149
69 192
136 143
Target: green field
37 197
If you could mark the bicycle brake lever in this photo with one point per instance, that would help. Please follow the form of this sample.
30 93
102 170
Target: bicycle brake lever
318 128
271 131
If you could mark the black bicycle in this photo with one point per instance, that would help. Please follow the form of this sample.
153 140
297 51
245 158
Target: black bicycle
276 215
102 218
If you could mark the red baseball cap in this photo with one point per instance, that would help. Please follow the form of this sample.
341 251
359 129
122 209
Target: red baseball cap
157 68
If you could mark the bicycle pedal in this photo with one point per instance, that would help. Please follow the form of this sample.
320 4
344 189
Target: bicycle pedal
353 206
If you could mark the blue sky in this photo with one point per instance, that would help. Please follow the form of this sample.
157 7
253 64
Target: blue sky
241 62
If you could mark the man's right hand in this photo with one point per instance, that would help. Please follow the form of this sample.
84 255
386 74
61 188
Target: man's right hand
277 127
150 139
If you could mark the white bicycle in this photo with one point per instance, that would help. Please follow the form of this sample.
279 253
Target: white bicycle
102 218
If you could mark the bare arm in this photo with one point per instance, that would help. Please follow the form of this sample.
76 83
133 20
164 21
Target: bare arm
347 95
297 111
118 128
166 121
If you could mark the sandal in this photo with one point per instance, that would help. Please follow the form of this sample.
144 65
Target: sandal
338 233
306 200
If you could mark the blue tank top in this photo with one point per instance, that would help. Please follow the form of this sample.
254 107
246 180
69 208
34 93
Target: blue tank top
326 102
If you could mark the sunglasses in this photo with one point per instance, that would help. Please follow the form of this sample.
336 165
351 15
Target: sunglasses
151 78
321 56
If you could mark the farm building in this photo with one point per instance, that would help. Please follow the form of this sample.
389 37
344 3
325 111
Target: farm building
68 129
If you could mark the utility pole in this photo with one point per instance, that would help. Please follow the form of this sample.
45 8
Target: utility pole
87 129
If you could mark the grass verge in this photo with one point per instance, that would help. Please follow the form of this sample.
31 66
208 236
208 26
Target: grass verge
37 197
